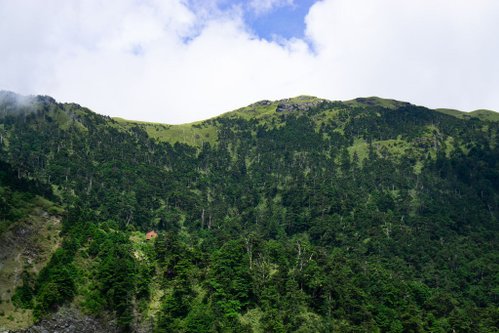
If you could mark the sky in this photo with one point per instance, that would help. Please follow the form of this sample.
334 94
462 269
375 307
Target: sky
177 61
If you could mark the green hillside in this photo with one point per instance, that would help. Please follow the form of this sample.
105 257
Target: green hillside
480 114
297 215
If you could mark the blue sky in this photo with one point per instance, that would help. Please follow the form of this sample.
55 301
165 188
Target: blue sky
178 61
285 21
272 20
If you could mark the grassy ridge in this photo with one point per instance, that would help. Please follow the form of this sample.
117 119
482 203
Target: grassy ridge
266 113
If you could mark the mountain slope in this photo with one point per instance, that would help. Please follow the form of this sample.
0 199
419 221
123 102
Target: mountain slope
29 235
294 215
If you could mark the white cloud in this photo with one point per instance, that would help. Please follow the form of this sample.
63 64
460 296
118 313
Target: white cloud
163 61
434 52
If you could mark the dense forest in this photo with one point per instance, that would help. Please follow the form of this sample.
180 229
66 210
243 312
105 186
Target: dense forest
300 215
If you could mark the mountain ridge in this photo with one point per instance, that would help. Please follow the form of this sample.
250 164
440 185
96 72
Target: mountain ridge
187 133
360 101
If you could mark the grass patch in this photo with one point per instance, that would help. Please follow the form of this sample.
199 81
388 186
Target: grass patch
257 111
359 147
375 101
193 134
481 114
396 147
486 115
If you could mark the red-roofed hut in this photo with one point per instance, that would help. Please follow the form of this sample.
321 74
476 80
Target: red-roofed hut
151 234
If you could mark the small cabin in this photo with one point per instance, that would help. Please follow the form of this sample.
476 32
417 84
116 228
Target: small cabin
151 234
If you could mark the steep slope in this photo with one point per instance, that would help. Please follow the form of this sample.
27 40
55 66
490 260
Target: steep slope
294 215
29 234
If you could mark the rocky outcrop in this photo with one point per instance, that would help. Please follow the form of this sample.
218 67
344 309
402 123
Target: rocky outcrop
70 320
301 103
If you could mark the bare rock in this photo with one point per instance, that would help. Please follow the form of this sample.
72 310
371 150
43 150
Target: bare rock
70 320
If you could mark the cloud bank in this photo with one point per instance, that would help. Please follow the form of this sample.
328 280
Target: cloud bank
176 61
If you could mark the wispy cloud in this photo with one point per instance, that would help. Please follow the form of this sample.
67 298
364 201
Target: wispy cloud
264 6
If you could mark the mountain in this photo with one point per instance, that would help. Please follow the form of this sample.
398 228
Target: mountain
298 215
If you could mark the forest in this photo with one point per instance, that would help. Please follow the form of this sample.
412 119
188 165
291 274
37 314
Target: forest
299 215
